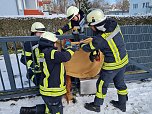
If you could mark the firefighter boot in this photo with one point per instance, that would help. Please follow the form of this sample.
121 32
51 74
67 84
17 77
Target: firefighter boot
92 107
28 110
121 103
40 109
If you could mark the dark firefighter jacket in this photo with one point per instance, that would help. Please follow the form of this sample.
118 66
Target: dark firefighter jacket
30 58
27 57
52 82
75 25
111 43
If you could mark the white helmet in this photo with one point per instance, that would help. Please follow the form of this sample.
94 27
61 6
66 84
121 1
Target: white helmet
95 16
37 27
49 36
72 11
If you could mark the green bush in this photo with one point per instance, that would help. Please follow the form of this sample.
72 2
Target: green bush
20 26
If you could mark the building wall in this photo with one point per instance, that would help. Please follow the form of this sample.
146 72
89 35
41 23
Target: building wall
10 7
138 7
30 4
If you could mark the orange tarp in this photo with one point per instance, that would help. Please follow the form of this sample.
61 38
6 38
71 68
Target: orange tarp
80 65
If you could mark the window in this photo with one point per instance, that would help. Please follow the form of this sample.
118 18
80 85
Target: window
147 4
135 6
143 5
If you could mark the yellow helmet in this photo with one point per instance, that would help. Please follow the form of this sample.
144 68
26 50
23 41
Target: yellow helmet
95 16
49 36
37 27
72 11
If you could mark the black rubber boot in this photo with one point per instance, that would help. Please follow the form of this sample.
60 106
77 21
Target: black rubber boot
28 110
121 104
38 109
92 107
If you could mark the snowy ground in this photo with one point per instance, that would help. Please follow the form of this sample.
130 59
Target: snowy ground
140 96
140 102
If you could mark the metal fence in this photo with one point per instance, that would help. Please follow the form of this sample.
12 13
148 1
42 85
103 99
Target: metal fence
13 81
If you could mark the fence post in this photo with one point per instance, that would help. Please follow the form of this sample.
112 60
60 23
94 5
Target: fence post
8 66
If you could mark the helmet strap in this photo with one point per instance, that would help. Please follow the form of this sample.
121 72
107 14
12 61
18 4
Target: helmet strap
77 17
32 33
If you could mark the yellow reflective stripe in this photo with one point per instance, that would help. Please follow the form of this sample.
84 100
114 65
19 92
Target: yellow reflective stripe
122 92
121 34
82 45
105 35
47 74
29 62
94 52
47 110
37 52
58 113
112 46
52 91
46 89
70 51
32 77
52 53
99 93
62 75
91 46
69 24
114 49
112 66
26 53
60 31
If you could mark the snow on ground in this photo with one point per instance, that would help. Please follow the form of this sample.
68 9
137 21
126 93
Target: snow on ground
140 102
140 96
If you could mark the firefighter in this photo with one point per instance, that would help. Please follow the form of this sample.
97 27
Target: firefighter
52 83
109 40
76 18
52 86
29 59
76 22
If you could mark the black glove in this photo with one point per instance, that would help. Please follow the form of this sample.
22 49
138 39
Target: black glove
75 48
81 44
33 71
95 55
30 73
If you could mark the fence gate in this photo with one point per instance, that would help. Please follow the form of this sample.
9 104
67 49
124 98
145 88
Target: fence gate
13 81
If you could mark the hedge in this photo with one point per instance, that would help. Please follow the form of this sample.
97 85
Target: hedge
20 26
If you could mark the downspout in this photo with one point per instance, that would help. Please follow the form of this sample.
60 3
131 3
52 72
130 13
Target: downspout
17 7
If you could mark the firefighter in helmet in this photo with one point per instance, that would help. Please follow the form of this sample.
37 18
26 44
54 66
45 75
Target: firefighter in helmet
109 40
52 81
76 21
30 53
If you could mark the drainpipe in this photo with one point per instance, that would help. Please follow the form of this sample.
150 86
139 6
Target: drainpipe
17 7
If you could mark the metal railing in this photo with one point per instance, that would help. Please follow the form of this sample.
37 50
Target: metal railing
13 81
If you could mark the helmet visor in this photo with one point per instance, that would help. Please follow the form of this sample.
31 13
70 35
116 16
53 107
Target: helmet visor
70 17
40 29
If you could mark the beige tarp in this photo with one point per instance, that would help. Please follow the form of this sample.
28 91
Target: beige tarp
80 66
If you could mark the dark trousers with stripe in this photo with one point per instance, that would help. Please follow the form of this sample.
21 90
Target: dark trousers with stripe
107 76
54 104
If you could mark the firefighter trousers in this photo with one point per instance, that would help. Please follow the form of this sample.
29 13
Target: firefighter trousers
54 104
107 76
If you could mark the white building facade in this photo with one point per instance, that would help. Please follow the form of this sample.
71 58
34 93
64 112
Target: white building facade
18 7
140 7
